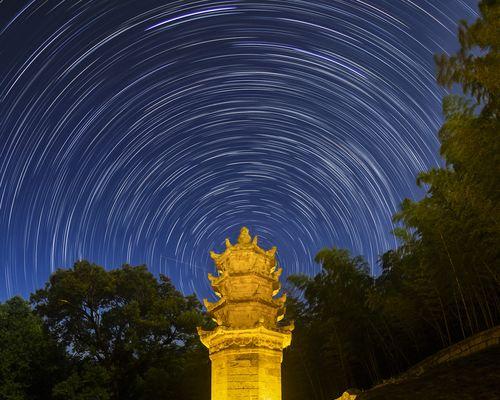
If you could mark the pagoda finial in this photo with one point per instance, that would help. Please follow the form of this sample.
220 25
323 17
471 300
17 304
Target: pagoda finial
244 237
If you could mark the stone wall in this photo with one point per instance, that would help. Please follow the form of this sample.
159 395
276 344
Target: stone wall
473 344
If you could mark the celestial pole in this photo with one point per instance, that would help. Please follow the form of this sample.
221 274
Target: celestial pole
148 131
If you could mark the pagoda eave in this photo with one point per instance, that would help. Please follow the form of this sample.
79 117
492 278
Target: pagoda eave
222 338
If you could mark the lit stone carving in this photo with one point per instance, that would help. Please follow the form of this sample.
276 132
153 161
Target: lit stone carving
246 347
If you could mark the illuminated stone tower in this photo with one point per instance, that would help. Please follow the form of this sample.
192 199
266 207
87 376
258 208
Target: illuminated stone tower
246 347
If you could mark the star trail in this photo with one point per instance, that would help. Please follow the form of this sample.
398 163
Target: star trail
149 131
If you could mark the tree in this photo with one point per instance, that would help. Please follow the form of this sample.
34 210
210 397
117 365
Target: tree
442 283
30 362
138 331
335 339
458 221
87 382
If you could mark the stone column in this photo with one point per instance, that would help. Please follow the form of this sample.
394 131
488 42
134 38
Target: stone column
246 347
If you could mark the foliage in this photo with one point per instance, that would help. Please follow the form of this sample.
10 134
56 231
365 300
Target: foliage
30 362
458 221
442 283
129 335
330 341
87 382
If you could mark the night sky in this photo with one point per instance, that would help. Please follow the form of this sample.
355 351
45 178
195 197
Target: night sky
149 131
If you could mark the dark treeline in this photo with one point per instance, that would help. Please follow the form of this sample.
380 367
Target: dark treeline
93 334
441 284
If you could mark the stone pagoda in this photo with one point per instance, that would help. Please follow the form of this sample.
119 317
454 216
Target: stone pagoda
246 347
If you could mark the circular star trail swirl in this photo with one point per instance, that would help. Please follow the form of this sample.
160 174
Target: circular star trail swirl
148 131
